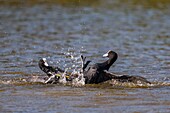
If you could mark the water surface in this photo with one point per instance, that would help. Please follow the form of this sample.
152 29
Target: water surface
61 31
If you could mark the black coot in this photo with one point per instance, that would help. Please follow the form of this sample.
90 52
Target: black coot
49 70
96 72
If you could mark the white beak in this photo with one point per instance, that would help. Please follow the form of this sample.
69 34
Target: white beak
45 61
105 55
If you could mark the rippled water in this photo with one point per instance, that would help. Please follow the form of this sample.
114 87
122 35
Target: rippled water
61 31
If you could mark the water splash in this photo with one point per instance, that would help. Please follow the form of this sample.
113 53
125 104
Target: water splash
62 79
79 81
116 83
71 59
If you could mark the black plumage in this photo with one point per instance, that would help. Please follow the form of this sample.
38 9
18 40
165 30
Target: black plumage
49 70
96 72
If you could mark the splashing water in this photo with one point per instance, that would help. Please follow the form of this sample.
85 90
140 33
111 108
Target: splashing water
115 83
75 67
73 57
62 79
79 81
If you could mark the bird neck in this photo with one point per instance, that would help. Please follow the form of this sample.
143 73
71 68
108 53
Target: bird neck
111 60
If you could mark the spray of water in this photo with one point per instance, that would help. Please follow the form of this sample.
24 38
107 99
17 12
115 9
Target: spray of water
79 80
62 79
74 65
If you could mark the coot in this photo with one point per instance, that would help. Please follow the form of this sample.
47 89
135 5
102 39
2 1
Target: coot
96 72
49 70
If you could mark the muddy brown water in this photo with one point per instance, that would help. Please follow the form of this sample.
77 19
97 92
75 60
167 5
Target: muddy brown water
61 31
